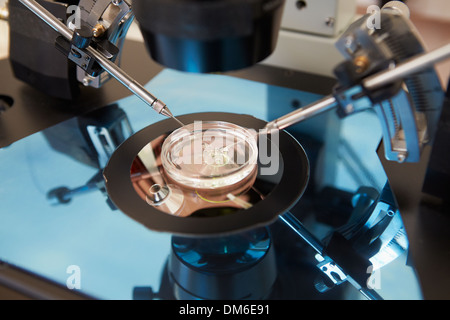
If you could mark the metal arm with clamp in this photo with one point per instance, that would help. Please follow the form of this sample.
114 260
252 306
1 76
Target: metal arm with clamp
356 98
75 50
388 70
93 56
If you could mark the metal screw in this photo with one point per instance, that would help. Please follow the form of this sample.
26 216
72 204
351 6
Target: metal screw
87 80
330 21
361 63
4 13
99 30
157 194
401 157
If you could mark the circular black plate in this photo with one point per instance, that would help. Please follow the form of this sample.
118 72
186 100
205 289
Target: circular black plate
293 182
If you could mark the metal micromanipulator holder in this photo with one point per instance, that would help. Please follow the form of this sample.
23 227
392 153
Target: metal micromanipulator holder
354 98
374 82
83 52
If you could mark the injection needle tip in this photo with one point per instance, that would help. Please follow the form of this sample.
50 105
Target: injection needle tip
166 112
181 123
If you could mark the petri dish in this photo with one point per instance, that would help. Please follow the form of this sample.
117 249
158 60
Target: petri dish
203 169
210 155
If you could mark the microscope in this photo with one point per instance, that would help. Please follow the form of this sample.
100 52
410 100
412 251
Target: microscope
228 248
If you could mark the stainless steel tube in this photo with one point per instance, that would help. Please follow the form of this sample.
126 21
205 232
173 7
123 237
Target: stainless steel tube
48 18
105 63
323 105
128 82
298 227
407 68
376 81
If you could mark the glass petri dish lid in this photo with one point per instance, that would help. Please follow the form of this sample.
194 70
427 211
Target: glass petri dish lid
210 155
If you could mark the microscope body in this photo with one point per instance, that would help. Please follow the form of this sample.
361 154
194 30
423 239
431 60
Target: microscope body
227 35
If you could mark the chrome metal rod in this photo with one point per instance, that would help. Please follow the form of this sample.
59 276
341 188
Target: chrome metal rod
404 69
370 294
376 81
48 18
323 105
105 63
298 227
129 82
290 220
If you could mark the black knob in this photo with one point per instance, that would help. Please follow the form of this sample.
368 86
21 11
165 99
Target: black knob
82 37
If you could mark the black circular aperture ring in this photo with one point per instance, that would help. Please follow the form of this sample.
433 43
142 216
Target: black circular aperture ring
120 189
